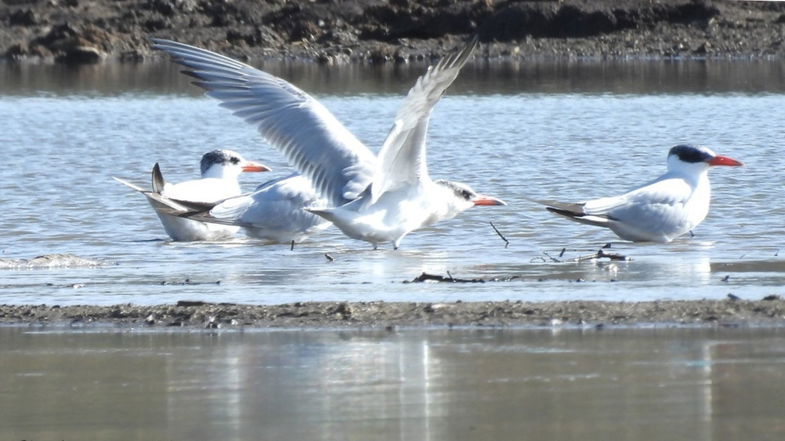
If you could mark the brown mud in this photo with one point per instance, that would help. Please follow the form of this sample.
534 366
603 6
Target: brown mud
339 31
730 312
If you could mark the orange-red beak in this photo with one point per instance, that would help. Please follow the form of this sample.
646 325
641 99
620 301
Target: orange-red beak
250 166
487 200
724 160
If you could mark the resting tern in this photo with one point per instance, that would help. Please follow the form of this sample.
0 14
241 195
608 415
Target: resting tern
661 210
274 212
377 200
220 170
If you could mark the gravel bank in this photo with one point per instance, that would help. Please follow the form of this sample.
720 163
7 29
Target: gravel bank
196 315
340 31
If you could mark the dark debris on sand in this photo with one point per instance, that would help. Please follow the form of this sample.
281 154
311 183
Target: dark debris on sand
769 311
339 31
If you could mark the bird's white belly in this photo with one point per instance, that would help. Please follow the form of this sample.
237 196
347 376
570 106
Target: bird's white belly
388 220
187 230
280 233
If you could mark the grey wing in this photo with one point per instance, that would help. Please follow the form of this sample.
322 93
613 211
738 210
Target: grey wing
338 165
277 204
402 159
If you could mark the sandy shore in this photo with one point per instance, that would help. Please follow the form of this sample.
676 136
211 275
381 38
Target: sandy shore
729 312
88 31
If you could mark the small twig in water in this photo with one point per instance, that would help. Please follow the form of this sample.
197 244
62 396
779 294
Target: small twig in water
600 254
291 248
329 257
563 250
506 242
553 259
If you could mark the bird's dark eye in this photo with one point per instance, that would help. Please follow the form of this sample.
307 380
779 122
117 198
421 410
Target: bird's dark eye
234 160
466 194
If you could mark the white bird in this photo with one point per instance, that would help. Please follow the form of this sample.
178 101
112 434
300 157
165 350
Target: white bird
368 199
274 212
220 170
661 210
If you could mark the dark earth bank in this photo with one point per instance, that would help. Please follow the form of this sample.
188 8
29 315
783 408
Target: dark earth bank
730 312
339 31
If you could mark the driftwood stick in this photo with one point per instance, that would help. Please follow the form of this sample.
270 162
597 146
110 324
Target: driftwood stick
424 277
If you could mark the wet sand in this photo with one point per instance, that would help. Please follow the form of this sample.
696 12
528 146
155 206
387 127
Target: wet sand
730 312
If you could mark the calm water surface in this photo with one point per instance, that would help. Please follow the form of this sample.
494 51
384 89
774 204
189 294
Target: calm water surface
566 131
633 384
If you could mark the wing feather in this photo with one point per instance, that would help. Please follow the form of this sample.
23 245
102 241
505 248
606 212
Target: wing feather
402 159
339 166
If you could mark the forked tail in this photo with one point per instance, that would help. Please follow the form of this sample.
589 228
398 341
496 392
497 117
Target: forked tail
573 211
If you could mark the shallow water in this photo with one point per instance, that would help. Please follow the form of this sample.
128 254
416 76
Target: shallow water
566 131
632 384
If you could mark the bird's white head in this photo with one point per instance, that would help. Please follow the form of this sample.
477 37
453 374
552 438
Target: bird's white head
460 197
223 164
693 159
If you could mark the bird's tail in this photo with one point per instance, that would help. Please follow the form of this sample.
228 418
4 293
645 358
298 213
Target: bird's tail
326 213
573 211
226 212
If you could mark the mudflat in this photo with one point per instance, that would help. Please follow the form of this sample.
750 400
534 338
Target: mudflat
186 314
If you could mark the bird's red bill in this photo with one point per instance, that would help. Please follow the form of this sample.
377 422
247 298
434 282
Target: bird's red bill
255 167
724 160
487 200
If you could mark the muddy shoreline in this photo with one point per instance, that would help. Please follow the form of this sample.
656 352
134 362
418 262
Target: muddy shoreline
341 31
730 312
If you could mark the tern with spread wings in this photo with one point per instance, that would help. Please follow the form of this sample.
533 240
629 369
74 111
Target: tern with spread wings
377 200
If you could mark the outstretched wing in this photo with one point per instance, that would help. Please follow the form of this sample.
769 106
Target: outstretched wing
402 159
338 165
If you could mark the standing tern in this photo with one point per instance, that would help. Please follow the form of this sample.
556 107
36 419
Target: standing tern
661 210
220 170
377 200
